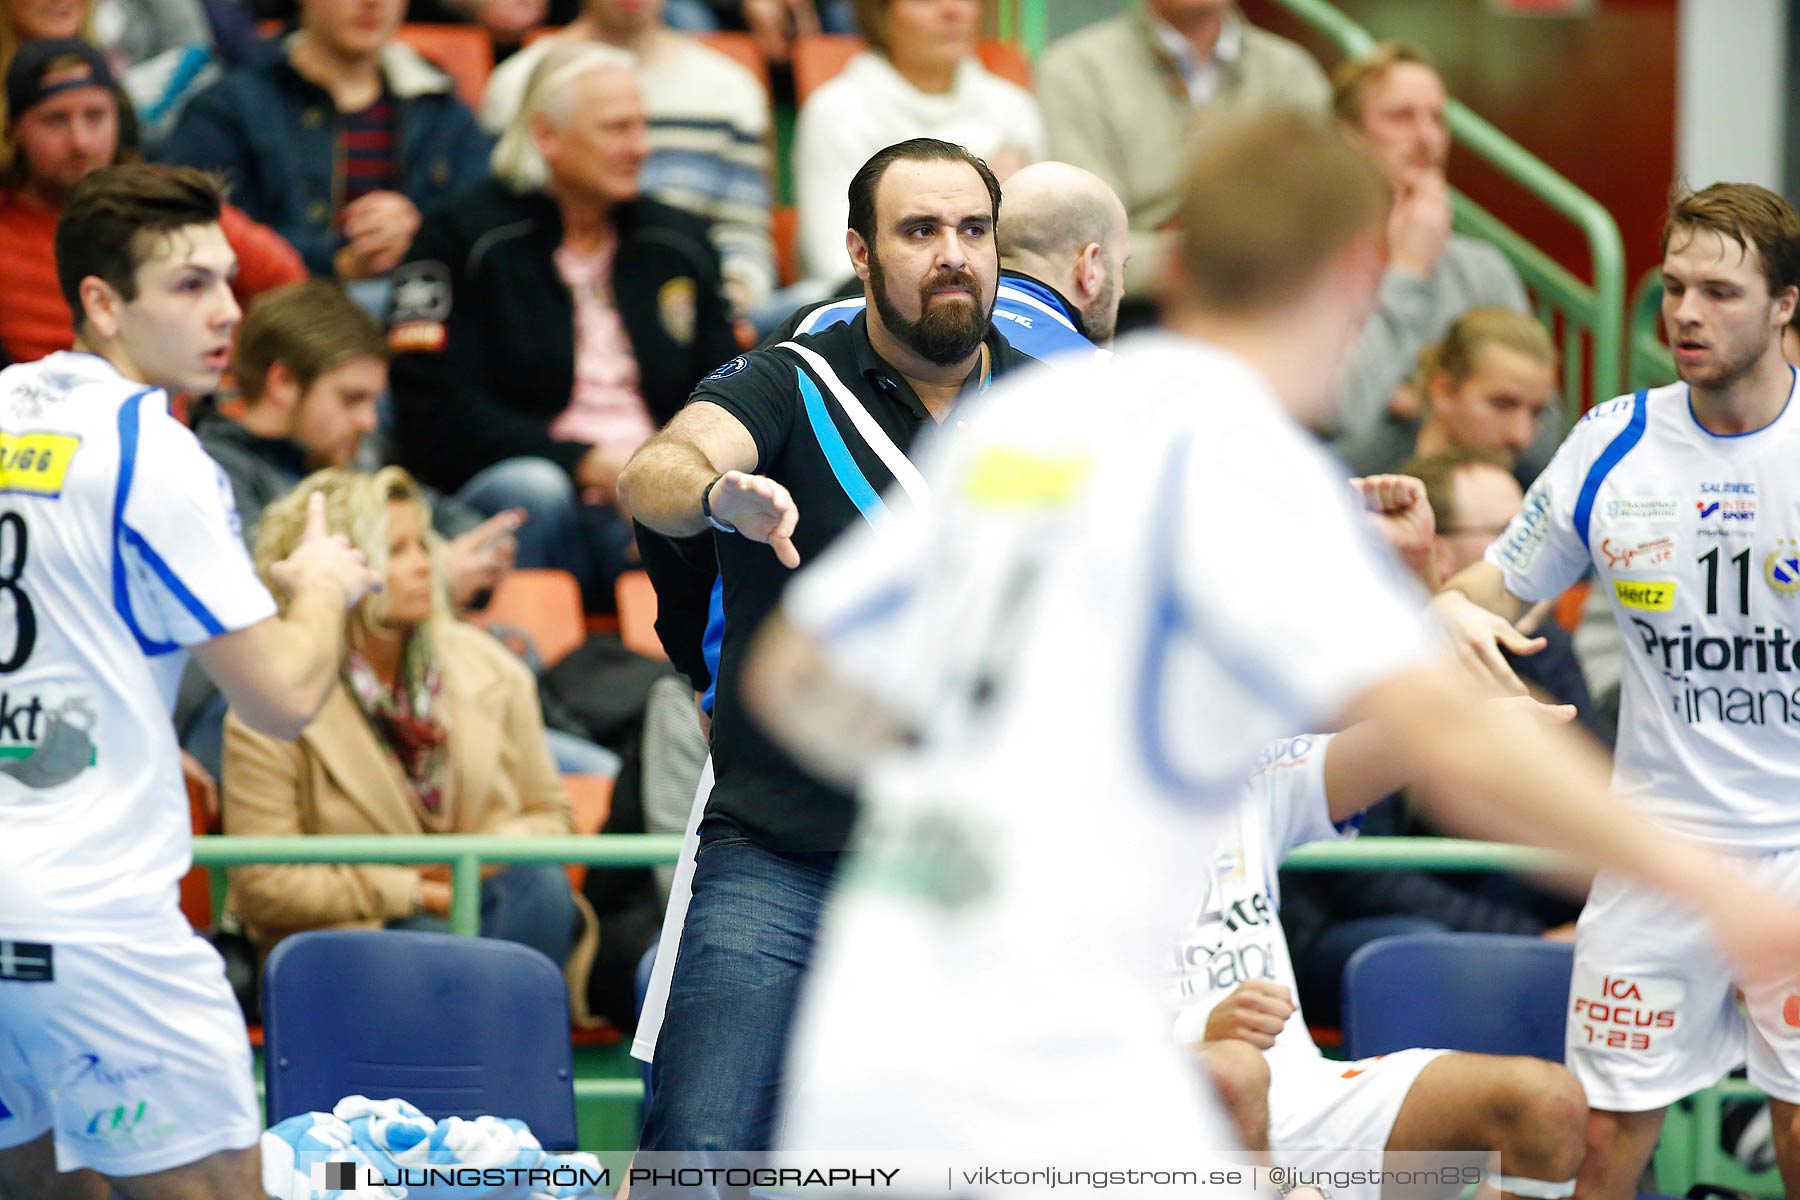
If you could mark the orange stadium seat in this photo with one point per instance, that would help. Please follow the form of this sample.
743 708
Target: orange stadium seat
545 604
1570 604
196 885
818 57
1007 61
784 229
637 614
464 52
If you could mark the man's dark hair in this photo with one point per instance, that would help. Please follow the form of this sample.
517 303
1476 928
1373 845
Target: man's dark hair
310 327
868 178
115 218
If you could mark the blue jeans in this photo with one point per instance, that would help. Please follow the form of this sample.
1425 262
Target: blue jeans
744 950
528 904
578 756
589 541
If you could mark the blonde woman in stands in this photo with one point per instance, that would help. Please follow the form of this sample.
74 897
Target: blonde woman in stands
919 78
433 728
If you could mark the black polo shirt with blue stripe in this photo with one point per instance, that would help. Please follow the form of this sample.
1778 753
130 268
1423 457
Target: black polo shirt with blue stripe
806 442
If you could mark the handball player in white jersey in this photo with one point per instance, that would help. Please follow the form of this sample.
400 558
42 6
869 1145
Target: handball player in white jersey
1051 687
124 1062
1230 984
1684 501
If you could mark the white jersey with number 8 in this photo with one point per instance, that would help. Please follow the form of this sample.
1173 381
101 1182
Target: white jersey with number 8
119 546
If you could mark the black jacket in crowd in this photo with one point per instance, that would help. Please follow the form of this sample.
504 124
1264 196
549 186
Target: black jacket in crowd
483 327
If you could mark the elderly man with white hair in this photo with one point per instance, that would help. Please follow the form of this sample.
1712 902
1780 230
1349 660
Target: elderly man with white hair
547 322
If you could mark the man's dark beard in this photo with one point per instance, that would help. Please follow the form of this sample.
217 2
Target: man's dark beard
944 334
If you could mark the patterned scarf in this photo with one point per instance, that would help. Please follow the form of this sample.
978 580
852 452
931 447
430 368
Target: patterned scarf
406 716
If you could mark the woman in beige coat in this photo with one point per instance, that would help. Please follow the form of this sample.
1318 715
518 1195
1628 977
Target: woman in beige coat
434 728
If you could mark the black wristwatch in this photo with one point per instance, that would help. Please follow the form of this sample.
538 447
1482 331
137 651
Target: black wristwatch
706 508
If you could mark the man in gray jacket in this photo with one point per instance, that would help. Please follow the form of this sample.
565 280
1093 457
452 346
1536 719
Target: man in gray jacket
1119 95
1391 102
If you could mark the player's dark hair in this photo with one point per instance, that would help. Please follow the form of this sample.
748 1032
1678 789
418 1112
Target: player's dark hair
116 218
1752 216
868 178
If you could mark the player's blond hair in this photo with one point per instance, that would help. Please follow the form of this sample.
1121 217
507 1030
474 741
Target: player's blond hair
356 505
1268 201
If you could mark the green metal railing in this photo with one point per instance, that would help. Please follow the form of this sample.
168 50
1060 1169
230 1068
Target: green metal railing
1564 303
1651 364
465 853
1589 318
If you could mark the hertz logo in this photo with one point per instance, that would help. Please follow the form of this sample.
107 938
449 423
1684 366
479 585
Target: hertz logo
1650 597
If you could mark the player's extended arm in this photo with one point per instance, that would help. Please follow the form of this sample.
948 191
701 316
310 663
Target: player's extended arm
831 726
277 672
1368 762
1478 613
1494 772
661 485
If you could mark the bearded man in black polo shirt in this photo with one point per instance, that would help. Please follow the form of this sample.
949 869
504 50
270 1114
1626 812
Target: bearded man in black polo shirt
778 451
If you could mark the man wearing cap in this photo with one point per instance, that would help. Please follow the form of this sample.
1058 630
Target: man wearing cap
68 118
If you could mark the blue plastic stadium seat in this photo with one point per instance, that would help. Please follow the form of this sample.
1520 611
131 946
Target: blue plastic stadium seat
460 1026
1482 993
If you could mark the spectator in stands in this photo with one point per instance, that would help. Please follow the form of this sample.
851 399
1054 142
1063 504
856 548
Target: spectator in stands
1392 102
1488 384
506 22
340 142
1474 494
432 728
1119 95
311 366
68 119
775 24
709 131
920 78
550 320
161 49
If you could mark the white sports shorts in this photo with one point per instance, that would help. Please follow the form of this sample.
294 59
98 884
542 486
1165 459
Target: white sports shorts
134 1054
1326 1115
1654 1012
